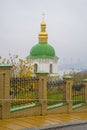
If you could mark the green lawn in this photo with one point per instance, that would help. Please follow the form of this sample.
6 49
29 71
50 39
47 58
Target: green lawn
54 97
23 98
77 99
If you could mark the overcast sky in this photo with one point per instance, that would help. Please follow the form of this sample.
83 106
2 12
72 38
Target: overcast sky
66 27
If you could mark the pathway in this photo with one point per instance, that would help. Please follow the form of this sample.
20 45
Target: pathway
29 122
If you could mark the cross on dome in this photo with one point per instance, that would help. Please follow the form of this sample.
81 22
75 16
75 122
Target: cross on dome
43 15
43 36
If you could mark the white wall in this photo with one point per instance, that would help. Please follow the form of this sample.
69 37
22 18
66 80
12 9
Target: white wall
44 64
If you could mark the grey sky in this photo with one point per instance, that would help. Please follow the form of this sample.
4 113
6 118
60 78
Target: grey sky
66 26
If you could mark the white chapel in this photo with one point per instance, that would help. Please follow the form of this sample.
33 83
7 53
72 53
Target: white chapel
42 55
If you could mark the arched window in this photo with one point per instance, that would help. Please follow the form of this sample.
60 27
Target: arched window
35 68
51 68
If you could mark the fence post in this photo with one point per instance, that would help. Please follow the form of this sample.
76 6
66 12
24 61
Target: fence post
42 91
5 71
85 91
69 83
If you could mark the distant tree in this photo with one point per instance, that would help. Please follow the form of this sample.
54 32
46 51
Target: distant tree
78 76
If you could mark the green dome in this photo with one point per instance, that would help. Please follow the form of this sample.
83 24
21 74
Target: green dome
43 50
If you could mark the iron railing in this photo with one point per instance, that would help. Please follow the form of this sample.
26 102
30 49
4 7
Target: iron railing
78 93
23 91
56 91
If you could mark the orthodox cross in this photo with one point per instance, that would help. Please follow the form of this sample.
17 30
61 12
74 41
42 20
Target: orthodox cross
43 15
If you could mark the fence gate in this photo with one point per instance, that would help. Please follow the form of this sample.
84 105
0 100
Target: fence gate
23 91
78 93
56 91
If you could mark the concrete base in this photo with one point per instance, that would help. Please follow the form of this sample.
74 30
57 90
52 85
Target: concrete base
81 125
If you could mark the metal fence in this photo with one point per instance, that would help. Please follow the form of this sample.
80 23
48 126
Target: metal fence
78 93
23 91
56 91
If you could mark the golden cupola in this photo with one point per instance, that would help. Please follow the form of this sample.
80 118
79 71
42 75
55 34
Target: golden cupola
43 36
42 49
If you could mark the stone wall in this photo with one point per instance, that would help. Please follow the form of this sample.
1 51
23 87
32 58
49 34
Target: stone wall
55 110
0 113
5 74
42 109
33 111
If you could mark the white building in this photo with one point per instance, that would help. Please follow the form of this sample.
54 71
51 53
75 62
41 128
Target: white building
42 55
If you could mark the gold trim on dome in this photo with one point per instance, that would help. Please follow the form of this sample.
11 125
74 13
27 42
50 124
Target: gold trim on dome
43 36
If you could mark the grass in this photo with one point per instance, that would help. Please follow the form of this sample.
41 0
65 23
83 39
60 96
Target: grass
23 98
54 97
78 97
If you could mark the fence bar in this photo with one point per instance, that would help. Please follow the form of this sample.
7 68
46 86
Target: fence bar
23 91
